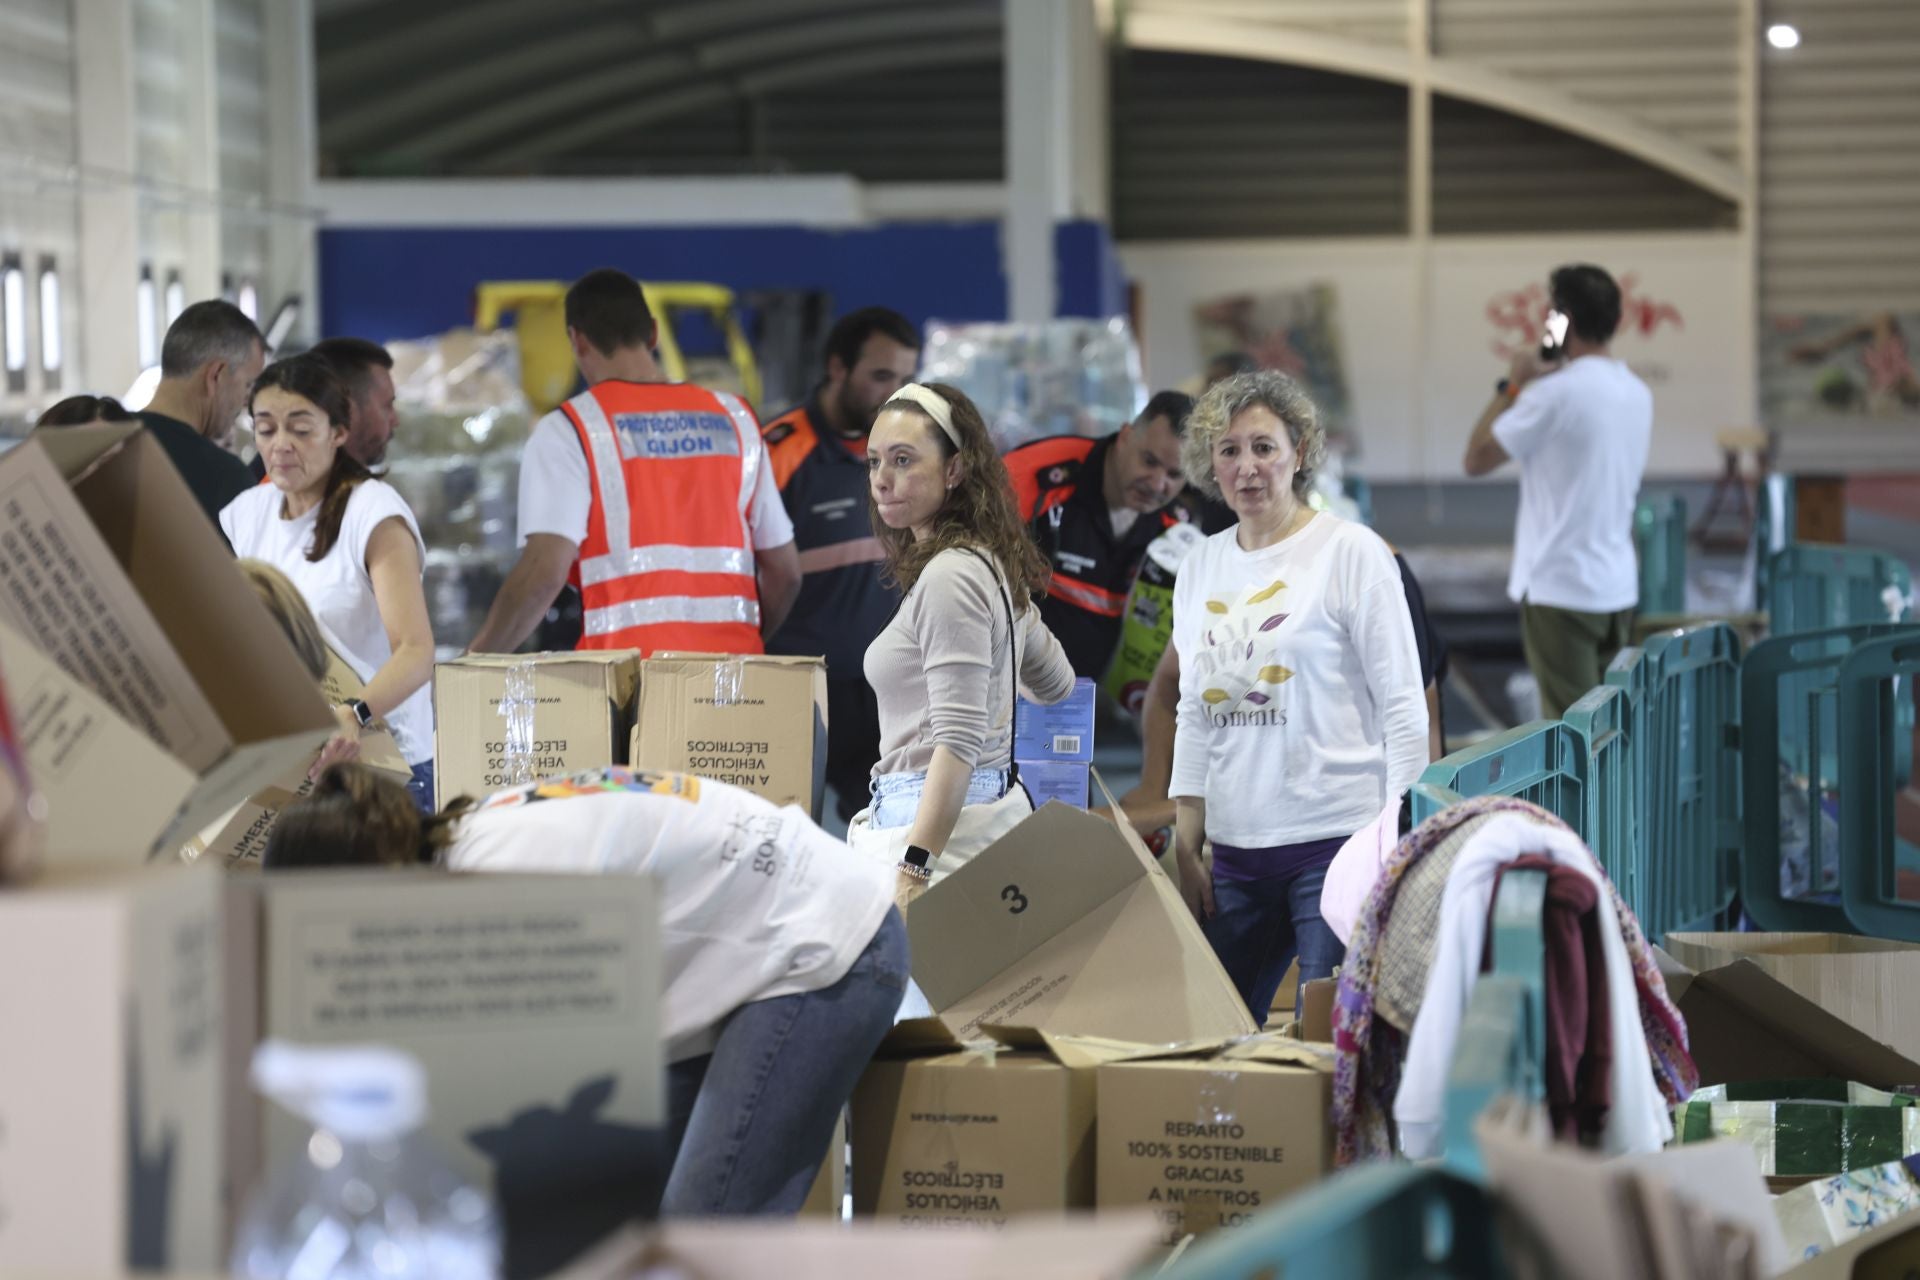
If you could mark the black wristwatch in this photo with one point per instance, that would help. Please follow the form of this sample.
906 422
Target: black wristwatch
361 711
1503 387
915 856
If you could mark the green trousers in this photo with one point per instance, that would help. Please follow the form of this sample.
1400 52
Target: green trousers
1568 651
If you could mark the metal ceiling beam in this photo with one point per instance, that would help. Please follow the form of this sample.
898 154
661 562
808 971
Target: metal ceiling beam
904 55
1448 76
523 124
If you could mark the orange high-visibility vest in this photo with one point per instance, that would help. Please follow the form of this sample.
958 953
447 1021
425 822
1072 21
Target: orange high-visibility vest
668 560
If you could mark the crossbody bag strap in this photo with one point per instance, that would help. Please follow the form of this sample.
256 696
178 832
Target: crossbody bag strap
1013 663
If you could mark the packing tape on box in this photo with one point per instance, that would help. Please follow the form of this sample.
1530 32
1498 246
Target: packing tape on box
518 701
729 674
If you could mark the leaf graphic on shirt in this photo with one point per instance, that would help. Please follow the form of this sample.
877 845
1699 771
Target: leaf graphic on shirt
1214 696
1276 674
1274 621
1216 606
1258 698
1267 593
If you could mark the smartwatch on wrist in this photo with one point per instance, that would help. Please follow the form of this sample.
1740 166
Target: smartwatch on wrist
917 861
361 711
1505 388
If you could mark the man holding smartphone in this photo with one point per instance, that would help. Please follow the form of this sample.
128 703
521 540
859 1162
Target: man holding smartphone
1579 423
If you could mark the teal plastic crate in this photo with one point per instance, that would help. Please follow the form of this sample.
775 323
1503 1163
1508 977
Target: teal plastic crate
1876 720
1689 802
1797 772
1628 673
1660 538
1600 723
1816 587
1502 1047
1538 762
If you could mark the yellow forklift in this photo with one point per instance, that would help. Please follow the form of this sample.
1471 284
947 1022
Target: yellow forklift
547 373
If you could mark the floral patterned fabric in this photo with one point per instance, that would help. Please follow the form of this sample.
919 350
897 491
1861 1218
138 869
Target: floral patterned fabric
1370 1052
1823 1214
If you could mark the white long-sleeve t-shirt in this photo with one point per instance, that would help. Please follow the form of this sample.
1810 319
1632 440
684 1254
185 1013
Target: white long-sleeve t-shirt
1301 708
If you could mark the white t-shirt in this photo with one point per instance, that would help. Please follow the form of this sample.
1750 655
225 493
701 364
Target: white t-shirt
1301 708
338 588
756 901
1580 435
556 488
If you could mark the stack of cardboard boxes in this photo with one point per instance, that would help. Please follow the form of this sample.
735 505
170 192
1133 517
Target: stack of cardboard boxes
1089 1052
1053 746
759 723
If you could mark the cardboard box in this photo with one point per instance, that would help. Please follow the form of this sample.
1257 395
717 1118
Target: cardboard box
532 1001
241 837
946 1134
501 720
1061 780
1316 1010
1109 1247
1067 925
1063 731
110 1079
757 722
1858 1009
109 567
1240 1125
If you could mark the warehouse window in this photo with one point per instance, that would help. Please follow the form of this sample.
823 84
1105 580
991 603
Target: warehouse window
249 299
147 318
13 320
52 350
176 297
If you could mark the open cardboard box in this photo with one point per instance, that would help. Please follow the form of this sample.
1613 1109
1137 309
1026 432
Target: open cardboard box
946 1133
240 838
110 1074
533 1002
1782 1006
110 568
1066 924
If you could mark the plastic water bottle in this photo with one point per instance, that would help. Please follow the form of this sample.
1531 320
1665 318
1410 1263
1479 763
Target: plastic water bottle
368 1198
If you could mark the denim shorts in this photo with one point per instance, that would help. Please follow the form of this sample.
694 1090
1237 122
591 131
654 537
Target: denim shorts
896 796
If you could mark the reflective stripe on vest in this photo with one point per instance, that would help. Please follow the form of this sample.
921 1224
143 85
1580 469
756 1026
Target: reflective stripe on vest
1084 595
661 567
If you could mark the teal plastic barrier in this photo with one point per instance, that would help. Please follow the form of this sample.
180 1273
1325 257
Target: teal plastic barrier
1538 762
1816 587
1690 797
1376 1222
1600 723
1793 758
1361 492
1628 673
1502 1047
1879 872
1660 537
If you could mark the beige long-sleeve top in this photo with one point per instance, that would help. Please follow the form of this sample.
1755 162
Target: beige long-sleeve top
940 673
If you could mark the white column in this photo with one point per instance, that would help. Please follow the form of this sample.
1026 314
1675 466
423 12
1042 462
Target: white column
200 148
109 257
292 163
1420 233
1056 140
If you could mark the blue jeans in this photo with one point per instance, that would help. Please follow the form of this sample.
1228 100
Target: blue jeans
896 796
1259 926
420 787
750 1123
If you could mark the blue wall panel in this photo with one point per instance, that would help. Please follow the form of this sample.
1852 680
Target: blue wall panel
389 283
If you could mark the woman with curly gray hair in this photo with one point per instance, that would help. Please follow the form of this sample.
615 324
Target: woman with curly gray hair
1301 708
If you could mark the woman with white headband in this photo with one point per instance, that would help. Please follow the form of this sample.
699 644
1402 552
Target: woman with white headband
945 669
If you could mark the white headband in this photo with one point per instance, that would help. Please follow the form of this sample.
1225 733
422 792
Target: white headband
934 403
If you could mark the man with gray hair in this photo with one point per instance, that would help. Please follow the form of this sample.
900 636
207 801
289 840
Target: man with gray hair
211 355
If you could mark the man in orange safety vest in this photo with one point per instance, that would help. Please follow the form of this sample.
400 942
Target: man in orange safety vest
655 498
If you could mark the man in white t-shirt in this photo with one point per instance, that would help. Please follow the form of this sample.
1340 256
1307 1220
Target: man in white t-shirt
1579 423
656 498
